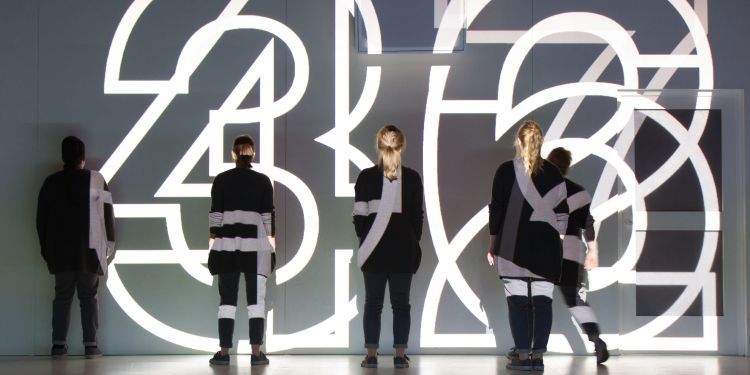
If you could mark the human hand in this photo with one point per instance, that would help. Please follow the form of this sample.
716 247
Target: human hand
490 258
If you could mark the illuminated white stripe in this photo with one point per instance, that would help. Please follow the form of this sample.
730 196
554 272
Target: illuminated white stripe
227 311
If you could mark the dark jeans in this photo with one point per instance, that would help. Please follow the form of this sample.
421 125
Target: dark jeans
228 289
399 285
66 284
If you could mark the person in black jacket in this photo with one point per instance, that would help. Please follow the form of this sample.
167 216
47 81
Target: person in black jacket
388 219
241 225
578 259
528 218
75 224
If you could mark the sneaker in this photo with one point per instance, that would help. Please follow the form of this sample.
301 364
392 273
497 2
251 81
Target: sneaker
370 362
602 354
219 360
401 362
91 352
519 364
59 351
537 364
259 360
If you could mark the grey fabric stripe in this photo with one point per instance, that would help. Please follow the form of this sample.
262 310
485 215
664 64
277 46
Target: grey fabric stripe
573 249
360 209
215 219
97 226
242 217
267 218
515 287
258 310
510 224
578 200
583 314
385 209
506 268
543 206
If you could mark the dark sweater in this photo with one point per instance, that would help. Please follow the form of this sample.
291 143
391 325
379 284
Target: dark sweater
398 249
240 220
63 222
532 246
580 221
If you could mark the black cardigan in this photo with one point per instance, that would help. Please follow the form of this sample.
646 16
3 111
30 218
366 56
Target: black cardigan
398 249
63 221
532 246
245 195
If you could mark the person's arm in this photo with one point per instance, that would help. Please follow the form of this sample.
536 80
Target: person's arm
592 255
360 211
268 214
417 210
216 214
562 211
42 212
109 226
497 208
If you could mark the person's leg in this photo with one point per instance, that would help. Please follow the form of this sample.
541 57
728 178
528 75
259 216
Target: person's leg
374 295
581 311
64 290
541 292
256 309
516 293
88 287
399 286
228 286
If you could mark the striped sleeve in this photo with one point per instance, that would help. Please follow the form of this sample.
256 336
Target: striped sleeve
267 211
360 212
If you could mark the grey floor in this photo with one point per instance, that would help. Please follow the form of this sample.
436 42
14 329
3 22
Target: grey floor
342 364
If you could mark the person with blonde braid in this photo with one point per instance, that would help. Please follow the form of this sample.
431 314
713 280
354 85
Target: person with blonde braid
528 218
388 218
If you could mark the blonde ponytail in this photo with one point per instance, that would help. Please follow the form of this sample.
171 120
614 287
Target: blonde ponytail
529 141
389 142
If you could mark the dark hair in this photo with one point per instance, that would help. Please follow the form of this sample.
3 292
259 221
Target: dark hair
561 158
242 145
73 151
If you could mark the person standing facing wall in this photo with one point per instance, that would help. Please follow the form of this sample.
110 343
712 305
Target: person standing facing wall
75 224
388 218
576 259
241 241
528 215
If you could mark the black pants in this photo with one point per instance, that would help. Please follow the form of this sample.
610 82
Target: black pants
529 313
66 284
255 287
399 285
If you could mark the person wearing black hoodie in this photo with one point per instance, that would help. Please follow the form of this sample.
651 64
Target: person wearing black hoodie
75 224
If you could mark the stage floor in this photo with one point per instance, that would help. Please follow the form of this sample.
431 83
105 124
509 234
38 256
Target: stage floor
343 364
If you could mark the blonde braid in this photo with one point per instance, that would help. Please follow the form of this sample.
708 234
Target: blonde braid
529 146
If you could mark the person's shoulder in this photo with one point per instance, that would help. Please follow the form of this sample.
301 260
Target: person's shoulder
261 176
371 171
573 187
506 168
410 173
551 170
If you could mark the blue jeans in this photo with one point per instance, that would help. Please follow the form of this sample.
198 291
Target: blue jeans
399 285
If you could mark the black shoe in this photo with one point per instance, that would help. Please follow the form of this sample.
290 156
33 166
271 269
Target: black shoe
371 362
401 362
91 352
259 360
219 360
537 364
519 364
512 353
59 351
602 354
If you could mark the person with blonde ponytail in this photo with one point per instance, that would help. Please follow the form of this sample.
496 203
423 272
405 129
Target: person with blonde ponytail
528 218
388 218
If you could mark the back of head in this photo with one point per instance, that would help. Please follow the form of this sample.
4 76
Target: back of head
529 140
561 158
390 142
244 150
73 152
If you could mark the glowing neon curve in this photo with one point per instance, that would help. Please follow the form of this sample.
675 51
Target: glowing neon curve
345 121
483 106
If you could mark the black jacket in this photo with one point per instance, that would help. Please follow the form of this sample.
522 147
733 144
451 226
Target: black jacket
63 222
398 249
